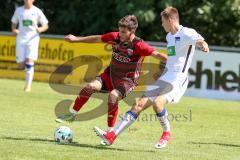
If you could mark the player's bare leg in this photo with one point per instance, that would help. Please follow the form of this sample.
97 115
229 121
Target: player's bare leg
161 113
128 119
29 72
21 65
83 97
113 98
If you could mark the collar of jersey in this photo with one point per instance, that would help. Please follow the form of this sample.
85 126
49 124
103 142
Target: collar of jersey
180 28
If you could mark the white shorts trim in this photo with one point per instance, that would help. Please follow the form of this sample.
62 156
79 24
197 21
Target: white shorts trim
171 91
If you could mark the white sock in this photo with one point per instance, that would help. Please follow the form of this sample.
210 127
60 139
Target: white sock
125 122
162 117
29 72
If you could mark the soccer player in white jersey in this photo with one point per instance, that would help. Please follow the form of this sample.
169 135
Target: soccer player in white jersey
25 25
169 87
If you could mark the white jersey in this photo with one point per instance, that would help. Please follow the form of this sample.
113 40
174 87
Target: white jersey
28 20
180 48
173 84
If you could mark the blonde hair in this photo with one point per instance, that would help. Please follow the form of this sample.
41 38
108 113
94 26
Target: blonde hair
170 12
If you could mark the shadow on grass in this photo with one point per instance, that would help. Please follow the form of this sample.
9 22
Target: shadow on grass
219 144
74 144
27 139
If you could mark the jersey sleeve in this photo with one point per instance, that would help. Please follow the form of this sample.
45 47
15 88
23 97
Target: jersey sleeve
144 49
109 36
192 36
15 17
42 18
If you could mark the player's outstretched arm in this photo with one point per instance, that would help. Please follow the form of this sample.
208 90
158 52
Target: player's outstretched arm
14 28
161 56
202 45
88 39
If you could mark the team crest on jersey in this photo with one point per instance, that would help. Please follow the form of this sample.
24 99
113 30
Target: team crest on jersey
177 39
124 47
115 45
130 52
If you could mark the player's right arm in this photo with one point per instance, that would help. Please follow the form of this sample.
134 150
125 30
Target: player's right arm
108 37
14 28
161 56
14 21
88 39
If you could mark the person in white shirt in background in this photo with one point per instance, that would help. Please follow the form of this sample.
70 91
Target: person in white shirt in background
25 25
169 87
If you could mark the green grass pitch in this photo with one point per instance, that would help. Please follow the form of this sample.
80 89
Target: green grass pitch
202 129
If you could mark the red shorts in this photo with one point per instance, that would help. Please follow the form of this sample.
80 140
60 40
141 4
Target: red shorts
123 85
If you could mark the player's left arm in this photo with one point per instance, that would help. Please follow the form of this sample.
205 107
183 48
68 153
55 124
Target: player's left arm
202 45
161 56
43 28
147 50
163 60
42 19
195 38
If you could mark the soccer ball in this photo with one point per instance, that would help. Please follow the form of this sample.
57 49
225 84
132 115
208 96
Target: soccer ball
63 134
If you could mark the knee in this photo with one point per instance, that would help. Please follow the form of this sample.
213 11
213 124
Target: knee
21 66
158 103
90 87
29 61
88 90
114 96
138 107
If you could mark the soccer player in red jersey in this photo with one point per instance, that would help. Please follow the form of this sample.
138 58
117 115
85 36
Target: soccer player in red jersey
119 78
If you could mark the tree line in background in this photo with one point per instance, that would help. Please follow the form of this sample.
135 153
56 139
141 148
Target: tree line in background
217 20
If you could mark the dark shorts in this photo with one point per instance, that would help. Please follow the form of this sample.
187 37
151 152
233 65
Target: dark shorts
123 85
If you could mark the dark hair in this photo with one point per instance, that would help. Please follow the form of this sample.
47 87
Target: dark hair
170 12
129 21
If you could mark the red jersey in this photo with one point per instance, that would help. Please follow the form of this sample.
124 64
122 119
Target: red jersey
127 57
